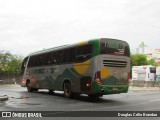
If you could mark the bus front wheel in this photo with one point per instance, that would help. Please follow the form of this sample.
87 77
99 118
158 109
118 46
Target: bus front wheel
67 90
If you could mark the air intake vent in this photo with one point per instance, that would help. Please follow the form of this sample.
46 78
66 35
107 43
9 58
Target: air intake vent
114 63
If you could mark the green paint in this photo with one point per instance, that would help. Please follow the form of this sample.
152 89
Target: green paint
96 46
111 80
96 88
68 74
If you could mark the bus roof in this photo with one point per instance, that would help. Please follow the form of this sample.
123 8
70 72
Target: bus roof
48 50
67 46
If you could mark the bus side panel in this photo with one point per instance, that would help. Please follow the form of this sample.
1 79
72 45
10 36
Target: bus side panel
76 74
84 72
66 73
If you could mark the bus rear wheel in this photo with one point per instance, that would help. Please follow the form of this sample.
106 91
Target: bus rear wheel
67 90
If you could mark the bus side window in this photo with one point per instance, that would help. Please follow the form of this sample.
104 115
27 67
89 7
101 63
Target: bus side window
45 59
66 55
39 60
31 61
58 57
49 59
72 54
53 59
83 52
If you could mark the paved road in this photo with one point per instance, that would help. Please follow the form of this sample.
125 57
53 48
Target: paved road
21 100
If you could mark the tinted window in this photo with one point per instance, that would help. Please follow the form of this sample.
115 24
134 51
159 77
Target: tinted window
35 61
83 52
69 55
152 70
59 57
72 54
47 59
23 65
31 62
66 55
114 47
39 60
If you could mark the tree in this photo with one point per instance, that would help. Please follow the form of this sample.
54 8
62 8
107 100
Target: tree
139 59
9 63
152 62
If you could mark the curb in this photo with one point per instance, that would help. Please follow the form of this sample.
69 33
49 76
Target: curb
3 98
143 88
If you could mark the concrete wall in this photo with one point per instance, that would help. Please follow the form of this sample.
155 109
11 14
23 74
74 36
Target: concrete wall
9 79
142 83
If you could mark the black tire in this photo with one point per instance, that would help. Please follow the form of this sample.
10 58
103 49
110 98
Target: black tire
67 90
50 91
29 88
75 95
95 96
35 89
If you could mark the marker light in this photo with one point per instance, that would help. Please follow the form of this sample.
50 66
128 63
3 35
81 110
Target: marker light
98 77
87 85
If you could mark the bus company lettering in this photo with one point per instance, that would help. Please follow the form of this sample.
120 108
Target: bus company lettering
38 71
42 71
22 115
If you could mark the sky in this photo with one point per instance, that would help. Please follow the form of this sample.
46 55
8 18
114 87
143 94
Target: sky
30 25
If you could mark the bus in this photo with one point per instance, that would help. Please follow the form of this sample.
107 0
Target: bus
95 67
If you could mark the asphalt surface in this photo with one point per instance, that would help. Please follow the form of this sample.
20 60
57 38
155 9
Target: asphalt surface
147 99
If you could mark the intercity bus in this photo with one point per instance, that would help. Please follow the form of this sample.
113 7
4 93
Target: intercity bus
96 67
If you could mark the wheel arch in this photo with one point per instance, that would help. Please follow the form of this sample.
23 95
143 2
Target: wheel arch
65 81
28 81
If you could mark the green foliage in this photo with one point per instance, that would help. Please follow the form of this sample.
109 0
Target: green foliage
152 62
9 64
141 59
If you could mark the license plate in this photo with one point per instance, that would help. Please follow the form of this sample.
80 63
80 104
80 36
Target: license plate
114 88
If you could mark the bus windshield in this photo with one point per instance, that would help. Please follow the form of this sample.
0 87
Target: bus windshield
114 47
